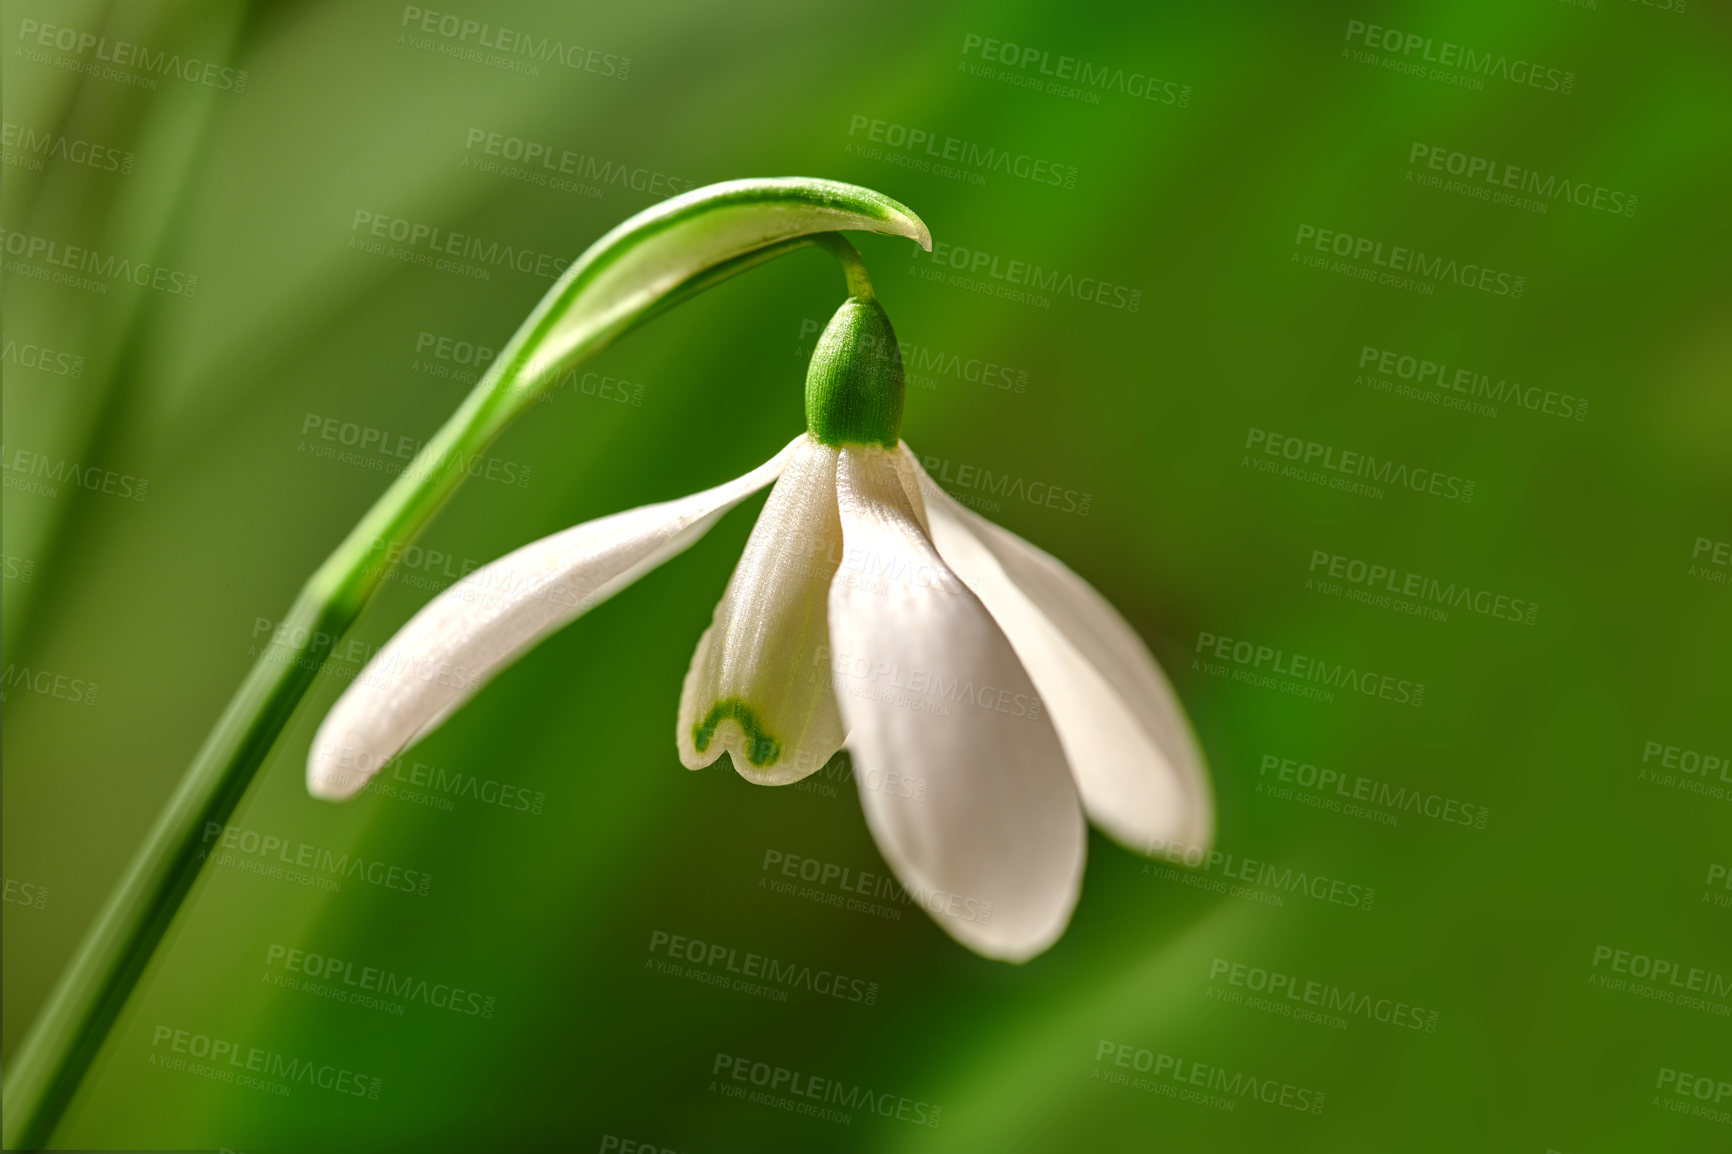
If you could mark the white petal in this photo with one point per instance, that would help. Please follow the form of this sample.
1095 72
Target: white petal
984 830
759 684
1137 763
468 633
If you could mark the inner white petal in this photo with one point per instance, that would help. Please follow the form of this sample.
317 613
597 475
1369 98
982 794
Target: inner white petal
759 684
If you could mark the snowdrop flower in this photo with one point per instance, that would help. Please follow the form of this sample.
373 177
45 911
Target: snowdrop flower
988 696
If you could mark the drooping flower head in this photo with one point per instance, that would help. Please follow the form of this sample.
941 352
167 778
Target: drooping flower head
988 696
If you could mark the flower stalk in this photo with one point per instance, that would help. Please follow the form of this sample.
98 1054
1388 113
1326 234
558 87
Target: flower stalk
650 263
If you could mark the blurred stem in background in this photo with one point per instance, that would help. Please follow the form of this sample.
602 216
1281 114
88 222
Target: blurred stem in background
138 214
652 262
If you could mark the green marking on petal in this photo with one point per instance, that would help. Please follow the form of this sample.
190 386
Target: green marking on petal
761 748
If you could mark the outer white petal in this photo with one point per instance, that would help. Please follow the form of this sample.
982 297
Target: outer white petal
468 633
759 684
1137 763
983 825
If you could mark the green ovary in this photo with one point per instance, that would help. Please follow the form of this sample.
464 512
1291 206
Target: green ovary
761 748
854 384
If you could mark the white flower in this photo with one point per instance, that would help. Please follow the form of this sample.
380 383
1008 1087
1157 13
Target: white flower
987 695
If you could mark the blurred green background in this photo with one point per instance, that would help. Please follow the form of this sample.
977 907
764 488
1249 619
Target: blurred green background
1182 160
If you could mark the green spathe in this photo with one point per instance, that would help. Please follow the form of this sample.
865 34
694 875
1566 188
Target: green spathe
854 383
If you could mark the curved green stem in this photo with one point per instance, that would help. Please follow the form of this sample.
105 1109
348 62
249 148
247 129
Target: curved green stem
656 259
859 284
